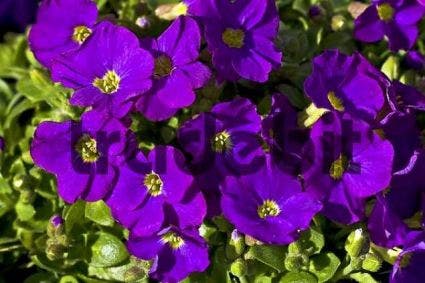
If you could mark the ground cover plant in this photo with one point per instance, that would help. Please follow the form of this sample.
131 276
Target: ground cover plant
212 141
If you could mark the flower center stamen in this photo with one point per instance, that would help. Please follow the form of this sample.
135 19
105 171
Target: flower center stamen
338 167
233 38
109 84
153 184
80 34
385 12
268 208
87 149
173 240
221 142
335 101
163 66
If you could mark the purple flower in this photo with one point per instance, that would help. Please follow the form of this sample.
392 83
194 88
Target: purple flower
240 36
176 253
409 265
2 144
150 190
395 19
415 60
401 130
83 156
268 205
346 83
102 74
408 185
220 145
345 163
386 227
403 98
62 26
176 54
281 132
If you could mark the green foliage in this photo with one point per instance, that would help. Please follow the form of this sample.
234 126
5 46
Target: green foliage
324 266
99 213
89 248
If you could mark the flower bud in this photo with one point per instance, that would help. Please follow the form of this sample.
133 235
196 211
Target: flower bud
239 268
337 22
2 144
315 12
55 250
372 262
143 22
55 226
236 245
357 243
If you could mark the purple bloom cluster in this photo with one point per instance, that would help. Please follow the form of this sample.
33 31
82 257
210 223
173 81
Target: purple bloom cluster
268 176
396 19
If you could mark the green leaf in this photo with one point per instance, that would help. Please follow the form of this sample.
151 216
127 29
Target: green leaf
324 266
362 277
100 213
311 241
272 256
107 251
298 277
391 67
41 277
262 279
68 279
124 273
296 98
74 214
24 211
37 86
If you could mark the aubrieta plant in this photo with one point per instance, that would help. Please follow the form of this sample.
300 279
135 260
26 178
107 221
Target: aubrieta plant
231 141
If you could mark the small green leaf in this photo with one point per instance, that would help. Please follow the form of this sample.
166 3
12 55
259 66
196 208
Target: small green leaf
324 266
272 256
262 279
311 241
391 67
298 277
74 214
100 213
24 211
68 279
41 277
107 251
362 277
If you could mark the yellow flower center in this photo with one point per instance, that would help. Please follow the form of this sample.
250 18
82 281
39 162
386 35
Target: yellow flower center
109 83
153 184
173 240
233 38
335 101
338 167
268 208
80 34
221 142
87 149
385 12
163 66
